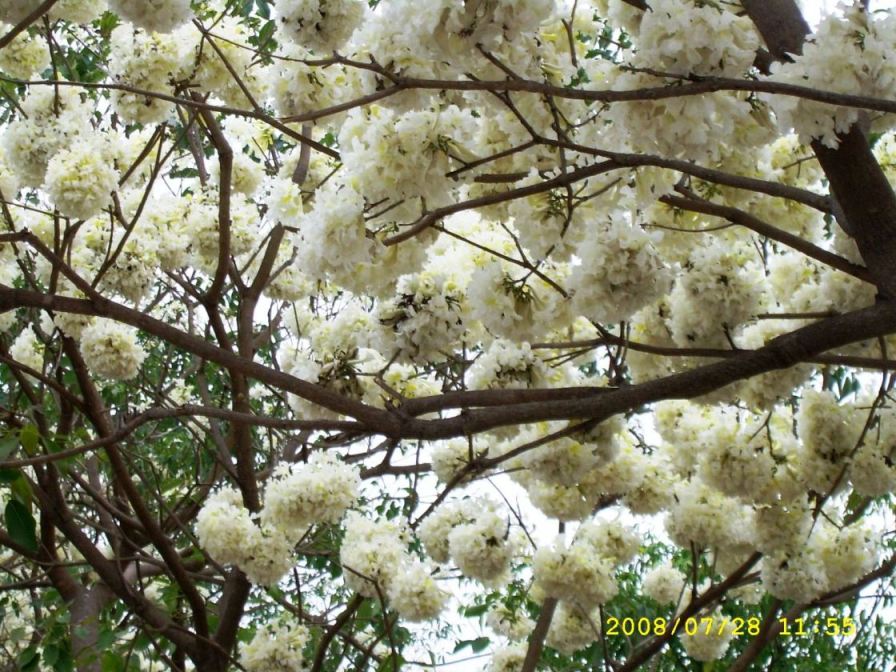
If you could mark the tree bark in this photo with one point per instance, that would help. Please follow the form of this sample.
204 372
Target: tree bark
857 181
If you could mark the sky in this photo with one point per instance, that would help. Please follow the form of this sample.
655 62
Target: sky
814 9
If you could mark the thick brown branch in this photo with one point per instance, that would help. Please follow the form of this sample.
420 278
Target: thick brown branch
735 216
536 640
857 180
22 25
225 163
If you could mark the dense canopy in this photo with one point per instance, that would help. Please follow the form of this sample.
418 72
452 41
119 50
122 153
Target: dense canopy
517 334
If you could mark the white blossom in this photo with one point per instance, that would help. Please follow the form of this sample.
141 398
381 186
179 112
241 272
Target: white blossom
111 350
321 25
276 647
317 492
80 180
161 16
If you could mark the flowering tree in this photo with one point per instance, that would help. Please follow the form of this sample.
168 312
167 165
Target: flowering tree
346 335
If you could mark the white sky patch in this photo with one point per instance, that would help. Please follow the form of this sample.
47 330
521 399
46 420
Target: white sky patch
813 10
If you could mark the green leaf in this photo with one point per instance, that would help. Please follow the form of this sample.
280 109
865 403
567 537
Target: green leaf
477 645
9 475
64 663
51 654
8 444
105 639
185 172
266 33
28 660
475 610
29 437
392 662
111 662
21 491
480 644
20 525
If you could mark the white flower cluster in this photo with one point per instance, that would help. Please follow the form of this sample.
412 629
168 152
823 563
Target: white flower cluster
320 491
111 350
452 456
148 61
472 534
393 35
509 658
276 647
572 628
563 502
8 273
9 180
333 237
77 11
829 432
14 11
703 516
468 24
610 539
651 491
512 624
227 532
436 527
371 553
872 470
320 25
222 52
481 548
376 564
134 269
693 37
576 574
165 223
28 350
582 572
514 305
403 156
798 576
664 584
620 273
567 477
160 16
426 39
850 53
204 228
334 244
415 595
830 558
566 460
718 292
52 118
298 88
545 225
506 365
619 477
423 321
707 644
763 392
750 460
783 527
692 127
24 56
80 180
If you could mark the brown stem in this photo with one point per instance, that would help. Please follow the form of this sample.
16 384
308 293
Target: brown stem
22 25
536 640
